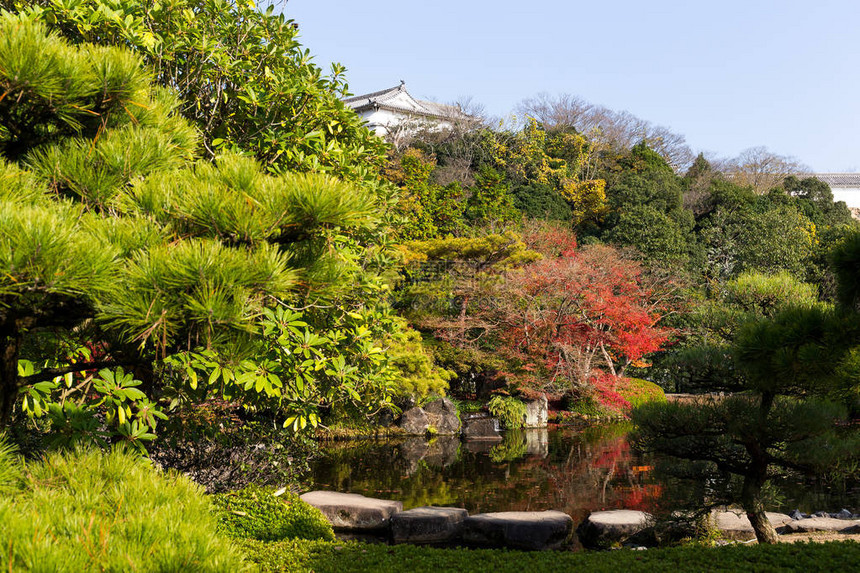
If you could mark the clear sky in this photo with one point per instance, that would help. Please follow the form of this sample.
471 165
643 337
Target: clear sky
727 75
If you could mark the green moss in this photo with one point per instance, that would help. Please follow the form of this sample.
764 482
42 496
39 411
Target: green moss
258 513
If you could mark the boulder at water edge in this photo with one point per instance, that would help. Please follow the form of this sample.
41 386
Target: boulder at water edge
428 525
482 429
734 524
351 512
537 413
605 528
811 524
532 530
415 421
442 415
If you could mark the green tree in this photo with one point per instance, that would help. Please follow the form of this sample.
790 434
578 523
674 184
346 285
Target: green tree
701 361
798 370
815 200
242 77
646 209
116 248
490 203
747 233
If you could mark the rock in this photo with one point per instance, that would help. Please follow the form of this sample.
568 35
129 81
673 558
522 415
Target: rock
537 413
534 530
820 514
415 421
428 525
482 429
796 514
537 443
442 414
822 524
734 524
351 511
604 528
844 514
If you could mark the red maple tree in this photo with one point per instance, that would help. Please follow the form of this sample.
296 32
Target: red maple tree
586 314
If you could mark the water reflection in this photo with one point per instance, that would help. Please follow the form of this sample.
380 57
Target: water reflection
532 470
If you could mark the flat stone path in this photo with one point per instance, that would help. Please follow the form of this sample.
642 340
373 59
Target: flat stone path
813 524
734 524
352 511
532 530
602 529
428 525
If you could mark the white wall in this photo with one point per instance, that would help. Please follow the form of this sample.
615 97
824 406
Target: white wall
850 196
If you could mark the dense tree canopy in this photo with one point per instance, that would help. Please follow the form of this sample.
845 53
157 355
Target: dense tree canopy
119 247
243 79
797 368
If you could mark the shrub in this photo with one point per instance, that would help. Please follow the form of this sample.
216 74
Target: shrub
638 392
510 411
87 511
259 513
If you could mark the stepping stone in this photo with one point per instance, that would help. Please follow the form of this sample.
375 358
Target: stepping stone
604 528
823 524
534 530
734 524
351 511
428 525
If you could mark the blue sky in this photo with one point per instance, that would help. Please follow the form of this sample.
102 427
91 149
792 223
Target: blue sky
727 75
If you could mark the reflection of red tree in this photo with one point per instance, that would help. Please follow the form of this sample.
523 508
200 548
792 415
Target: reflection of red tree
613 453
644 498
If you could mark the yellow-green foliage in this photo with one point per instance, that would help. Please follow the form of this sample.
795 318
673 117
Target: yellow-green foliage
258 513
499 251
638 391
87 511
509 410
419 375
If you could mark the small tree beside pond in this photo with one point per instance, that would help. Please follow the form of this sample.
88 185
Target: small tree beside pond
798 381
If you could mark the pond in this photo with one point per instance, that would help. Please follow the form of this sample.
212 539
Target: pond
575 471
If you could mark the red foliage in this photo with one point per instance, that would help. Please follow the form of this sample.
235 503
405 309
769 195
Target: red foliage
585 315
604 385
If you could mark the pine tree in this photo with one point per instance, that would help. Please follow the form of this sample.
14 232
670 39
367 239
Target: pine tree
112 232
799 379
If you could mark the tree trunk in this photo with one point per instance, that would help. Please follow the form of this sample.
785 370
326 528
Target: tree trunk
10 345
752 502
756 475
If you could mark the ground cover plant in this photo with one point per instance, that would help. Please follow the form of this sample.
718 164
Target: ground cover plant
266 515
92 511
324 557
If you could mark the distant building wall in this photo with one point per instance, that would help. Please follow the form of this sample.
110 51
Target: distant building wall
851 195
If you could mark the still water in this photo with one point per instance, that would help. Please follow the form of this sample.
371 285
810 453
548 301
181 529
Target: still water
575 471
